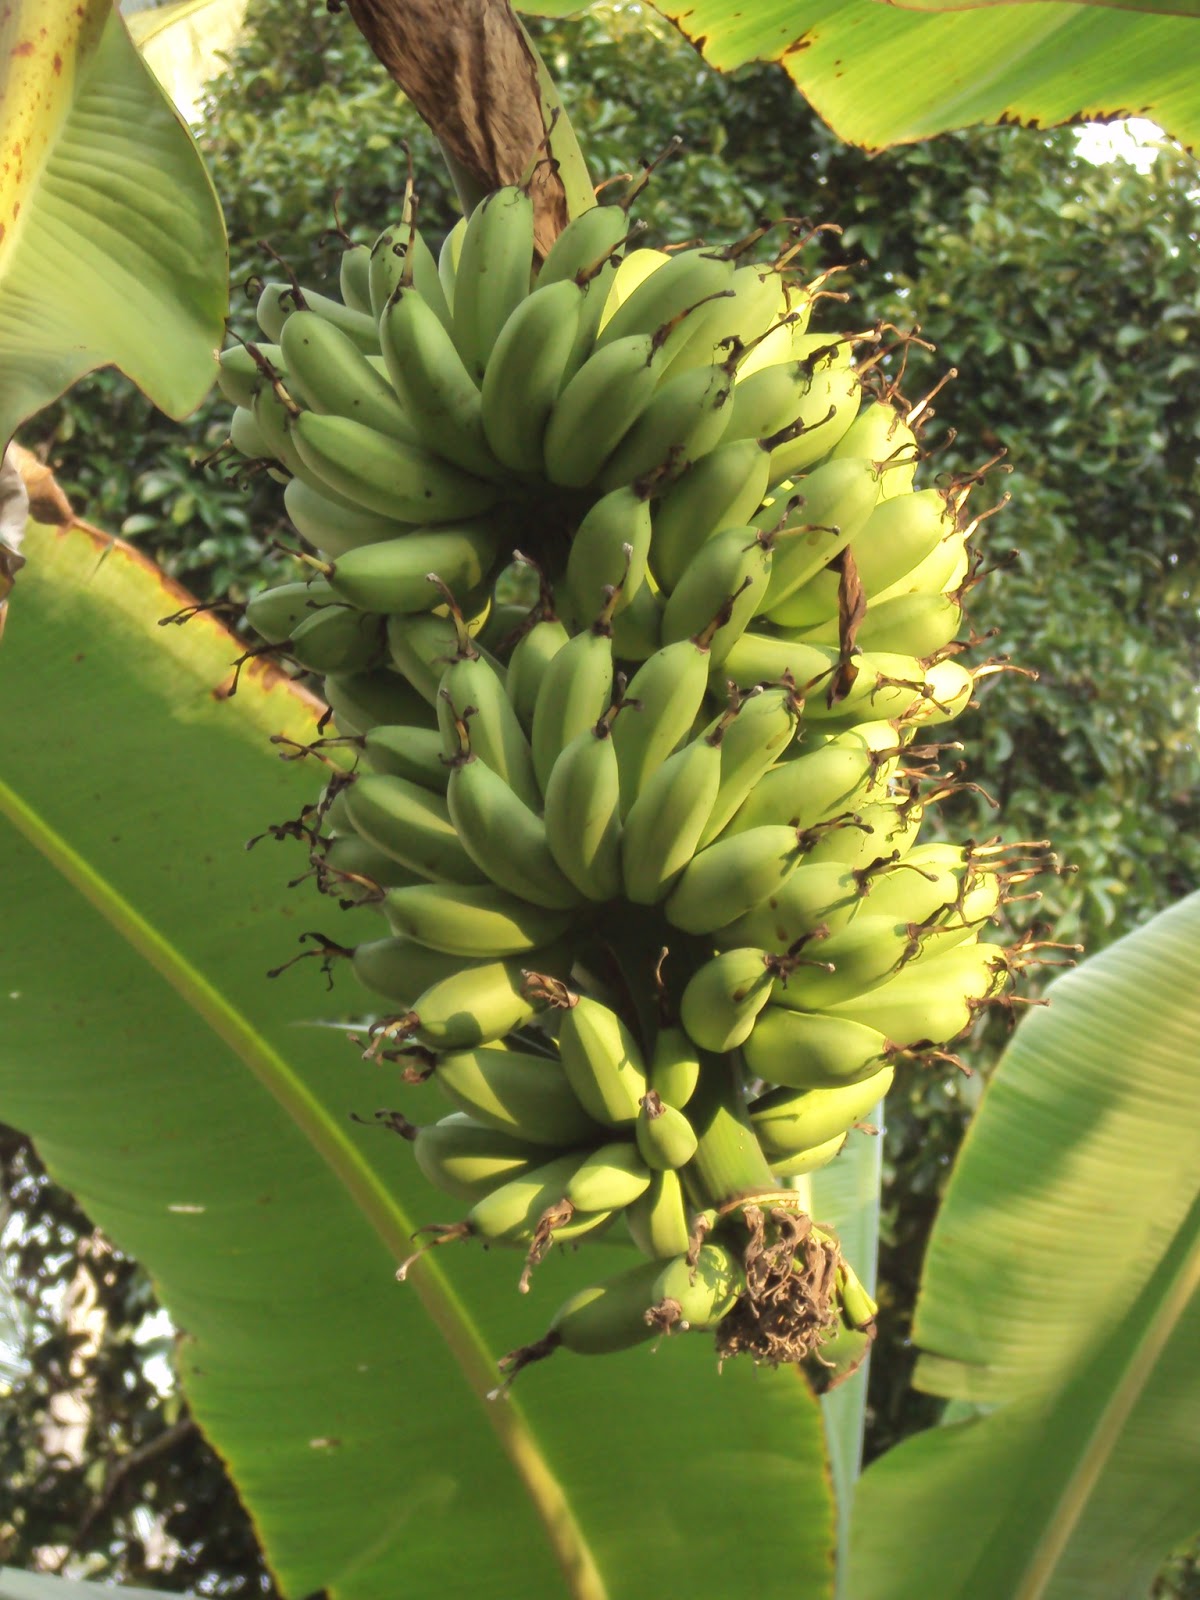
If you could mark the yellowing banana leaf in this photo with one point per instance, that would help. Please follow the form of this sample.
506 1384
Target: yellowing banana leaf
203 1120
112 247
1062 1296
184 44
879 75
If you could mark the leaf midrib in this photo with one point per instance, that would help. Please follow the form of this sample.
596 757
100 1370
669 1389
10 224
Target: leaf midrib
388 1220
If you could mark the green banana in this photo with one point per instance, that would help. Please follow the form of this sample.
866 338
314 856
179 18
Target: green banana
674 1067
665 1137
331 375
248 439
699 1292
356 325
276 302
356 872
394 576
582 812
438 393
589 238
385 475
900 534
480 1003
788 1121
932 1001
609 1179
818 894
683 420
400 256
723 998
526 372
818 1050
504 837
776 395
354 278
423 645
511 1214
332 526
520 1094
757 658
573 694
609 549
601 1319
476 920
721 490
836 501
658 1220
596 409
663 825
755 301
663 699
732 570
637 630
361 701
602 1061
881 433
338 639
412 825
861 956
275 612
493 272
466 1159
911 624
398 970
448 258
471 683
751 741
806 1161
240 376
527 663
854 766
729 876
663 302
403 751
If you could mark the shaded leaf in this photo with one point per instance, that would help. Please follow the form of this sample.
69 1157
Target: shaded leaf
202 1121
880 75
1062 1289
112 249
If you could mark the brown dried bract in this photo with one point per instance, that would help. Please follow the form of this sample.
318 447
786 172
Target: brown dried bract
789 1305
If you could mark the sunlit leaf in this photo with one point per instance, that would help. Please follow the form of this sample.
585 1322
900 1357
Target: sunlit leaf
1062 1295
112 248
184 43
880 75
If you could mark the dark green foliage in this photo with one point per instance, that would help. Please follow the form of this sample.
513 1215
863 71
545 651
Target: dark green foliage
1064 294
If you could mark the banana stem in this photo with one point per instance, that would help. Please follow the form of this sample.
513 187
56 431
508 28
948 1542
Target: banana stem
729 1163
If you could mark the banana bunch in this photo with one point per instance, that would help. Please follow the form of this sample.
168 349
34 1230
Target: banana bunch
661 926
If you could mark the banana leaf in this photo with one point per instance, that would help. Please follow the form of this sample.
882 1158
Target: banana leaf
1060 1307
112 245
880 74
201 1112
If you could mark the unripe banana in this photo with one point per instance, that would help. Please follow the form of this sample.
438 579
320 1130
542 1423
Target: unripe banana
239 375
333 526
791 1120
338 639
875 832
829 409
422 646
438 393
757 736
702 1291
636 266
610 1316
819 894
899 535
278 301
496 735
478 920
526 372
247 438
728 877
932 1001
721 490
403 751
355 871
665 821
361 701
840 496
480 1003
863 955
813 1050
393 577
609 549
573 695
277 611
611 1178
911 624
757 658
509 1215
354 278
597 408
602 1061
658 1220
807 789
665 1137
582 813
398 970
386 475
504 837
401 256
467 1160
662 304
448 258
731 570
637 630
674 1067
413 825
520 1094
684 419
330 374
724 997
587 239
880 433
531 654
663 698
780 394
755 301
806 1161
493 272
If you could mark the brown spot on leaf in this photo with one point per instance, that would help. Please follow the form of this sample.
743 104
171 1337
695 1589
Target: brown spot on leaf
25 48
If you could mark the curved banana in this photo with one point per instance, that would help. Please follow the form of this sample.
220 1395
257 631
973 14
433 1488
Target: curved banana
492 274
723 998
602 1061
790 1120
331 375
475 920
813 1050
520 1094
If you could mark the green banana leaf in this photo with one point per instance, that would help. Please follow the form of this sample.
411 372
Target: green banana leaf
112 247
881 75
16 1585
1061 1300
200 1112
1166 8
184 44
